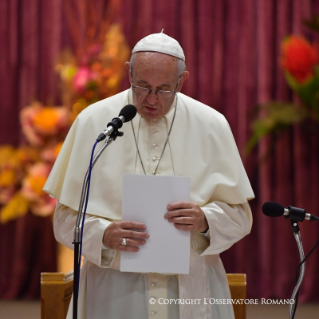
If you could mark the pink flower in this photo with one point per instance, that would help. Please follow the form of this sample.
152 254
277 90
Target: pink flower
94 50
82 78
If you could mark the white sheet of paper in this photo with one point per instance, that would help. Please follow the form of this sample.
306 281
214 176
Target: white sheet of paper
145 199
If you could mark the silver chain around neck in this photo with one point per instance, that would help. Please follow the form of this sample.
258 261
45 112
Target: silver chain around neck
138 151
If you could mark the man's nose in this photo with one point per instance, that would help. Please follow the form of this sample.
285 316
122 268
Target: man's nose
152 98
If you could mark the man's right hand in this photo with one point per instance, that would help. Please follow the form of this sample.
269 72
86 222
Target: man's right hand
133 232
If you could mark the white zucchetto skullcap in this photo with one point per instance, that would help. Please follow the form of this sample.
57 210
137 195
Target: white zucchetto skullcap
160 42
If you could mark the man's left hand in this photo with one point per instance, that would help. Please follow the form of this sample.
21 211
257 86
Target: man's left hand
186 216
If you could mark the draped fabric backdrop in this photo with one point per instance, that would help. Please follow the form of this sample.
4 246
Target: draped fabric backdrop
232 49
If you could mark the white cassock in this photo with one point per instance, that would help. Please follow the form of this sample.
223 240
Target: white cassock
200 146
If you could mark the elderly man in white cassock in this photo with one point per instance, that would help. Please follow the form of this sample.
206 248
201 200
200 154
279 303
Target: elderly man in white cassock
172 134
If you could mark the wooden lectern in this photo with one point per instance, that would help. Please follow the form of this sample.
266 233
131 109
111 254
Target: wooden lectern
57 288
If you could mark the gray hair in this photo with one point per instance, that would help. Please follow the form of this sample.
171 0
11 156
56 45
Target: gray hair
181 66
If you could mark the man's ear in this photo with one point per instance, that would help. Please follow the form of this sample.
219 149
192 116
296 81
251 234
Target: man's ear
184 76
128 68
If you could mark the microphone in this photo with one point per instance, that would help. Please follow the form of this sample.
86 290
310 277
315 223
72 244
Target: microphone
127 114
273 209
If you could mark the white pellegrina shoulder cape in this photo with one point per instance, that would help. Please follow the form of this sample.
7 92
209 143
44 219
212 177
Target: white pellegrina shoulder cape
202 147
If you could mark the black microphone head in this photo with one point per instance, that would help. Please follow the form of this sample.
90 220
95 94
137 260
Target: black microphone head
273 209
128 112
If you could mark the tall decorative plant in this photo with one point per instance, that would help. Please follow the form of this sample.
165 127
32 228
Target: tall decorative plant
299 62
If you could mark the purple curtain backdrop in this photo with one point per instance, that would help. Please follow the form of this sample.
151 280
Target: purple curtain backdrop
29 37
232 50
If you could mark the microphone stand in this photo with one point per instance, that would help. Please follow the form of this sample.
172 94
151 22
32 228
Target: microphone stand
296 231
77 231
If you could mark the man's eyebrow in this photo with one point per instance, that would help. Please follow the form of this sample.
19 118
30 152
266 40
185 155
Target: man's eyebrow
159 86
142 81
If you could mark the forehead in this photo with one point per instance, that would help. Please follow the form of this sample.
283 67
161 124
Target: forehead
155 64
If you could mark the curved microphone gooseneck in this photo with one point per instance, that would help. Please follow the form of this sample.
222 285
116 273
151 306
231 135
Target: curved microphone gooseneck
295 214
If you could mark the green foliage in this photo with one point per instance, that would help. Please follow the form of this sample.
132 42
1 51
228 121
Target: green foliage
308 92
275 116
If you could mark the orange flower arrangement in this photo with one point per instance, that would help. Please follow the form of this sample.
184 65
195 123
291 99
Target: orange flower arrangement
24 170
41 123
10 173
97 75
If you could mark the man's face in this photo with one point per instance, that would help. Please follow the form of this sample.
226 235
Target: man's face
155 71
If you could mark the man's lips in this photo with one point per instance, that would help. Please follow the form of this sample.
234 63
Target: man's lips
151 109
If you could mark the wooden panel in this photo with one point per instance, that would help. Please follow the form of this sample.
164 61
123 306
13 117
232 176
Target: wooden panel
57 288
237 286
56 292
